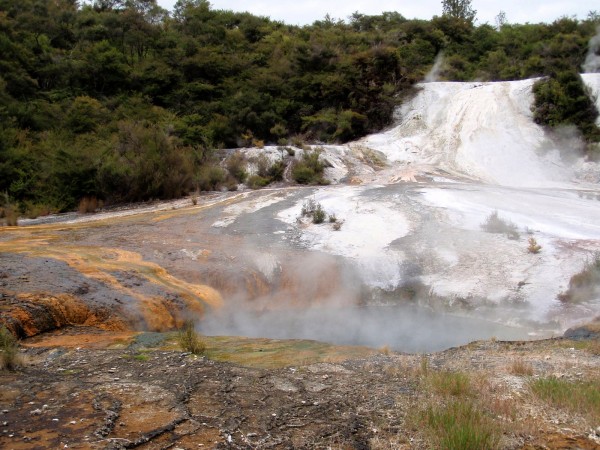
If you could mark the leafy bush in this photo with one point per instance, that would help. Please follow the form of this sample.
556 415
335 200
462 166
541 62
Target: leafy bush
563 99
210 178
257 182
189 340
495 224
319 214
309 170
236 165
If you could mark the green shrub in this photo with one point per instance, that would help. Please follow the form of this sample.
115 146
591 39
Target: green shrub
236 165
563 99
210 177
257 182
189 340
309 170
319 214
9 350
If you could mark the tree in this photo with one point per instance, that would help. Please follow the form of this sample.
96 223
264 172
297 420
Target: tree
460 9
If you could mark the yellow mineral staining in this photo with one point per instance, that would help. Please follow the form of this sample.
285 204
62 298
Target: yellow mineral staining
106 264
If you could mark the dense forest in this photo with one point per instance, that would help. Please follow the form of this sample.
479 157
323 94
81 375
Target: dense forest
121 100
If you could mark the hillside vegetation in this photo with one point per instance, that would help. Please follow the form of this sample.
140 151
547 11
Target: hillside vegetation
123 101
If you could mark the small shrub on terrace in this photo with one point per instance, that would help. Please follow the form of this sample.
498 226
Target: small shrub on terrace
495 224
337 226
9 350
310 169
308 207
236 165
332 218
533 246
257 182
319 214
189 340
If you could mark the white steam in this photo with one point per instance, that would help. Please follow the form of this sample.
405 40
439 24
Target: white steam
434 74
592 60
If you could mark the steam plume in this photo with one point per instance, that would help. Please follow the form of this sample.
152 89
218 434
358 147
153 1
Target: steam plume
434 73
592 60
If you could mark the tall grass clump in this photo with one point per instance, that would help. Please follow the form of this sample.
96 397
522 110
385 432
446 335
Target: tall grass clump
190 340
9 350
455 384
461 426
581 397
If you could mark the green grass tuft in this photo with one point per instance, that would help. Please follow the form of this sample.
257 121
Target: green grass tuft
461 426
581 397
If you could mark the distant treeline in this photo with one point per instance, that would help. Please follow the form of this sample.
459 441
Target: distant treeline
121 100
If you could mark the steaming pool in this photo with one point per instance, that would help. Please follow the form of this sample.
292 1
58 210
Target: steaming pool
401 328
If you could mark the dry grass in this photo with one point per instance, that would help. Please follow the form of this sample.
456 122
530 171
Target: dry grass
88 205
385 350
593 348
10 215
533 246
521 368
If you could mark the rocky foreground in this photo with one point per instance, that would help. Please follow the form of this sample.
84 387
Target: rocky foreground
113 391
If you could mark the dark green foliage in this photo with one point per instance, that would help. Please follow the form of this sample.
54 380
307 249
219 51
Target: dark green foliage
123 101
562 99
309 170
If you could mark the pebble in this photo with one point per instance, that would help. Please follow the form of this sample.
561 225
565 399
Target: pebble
35 412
